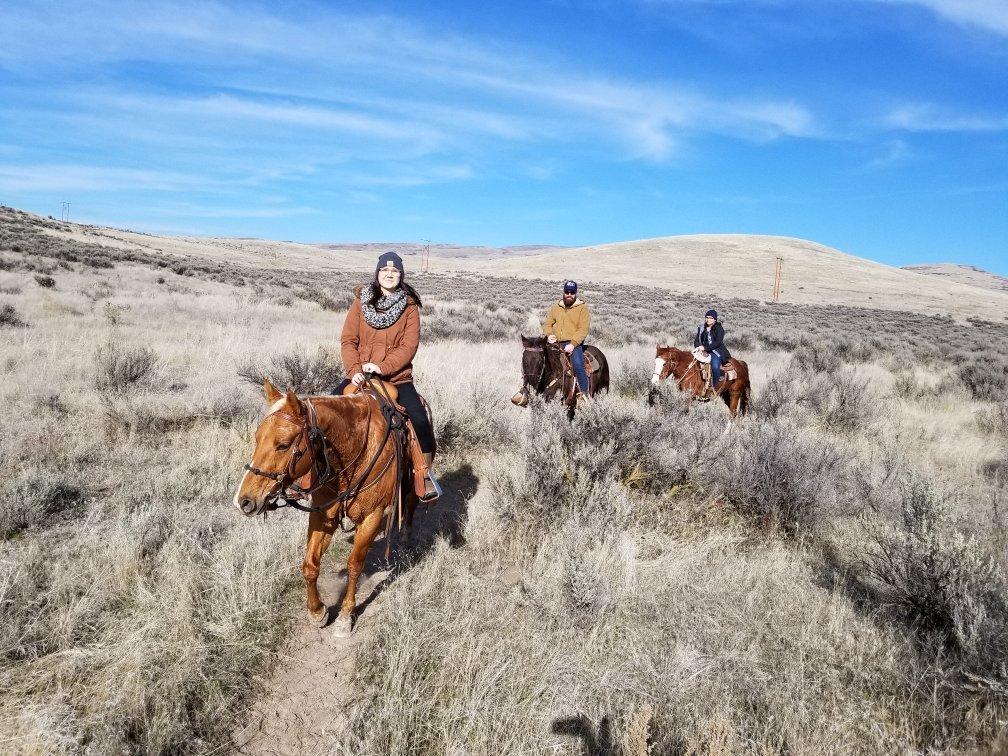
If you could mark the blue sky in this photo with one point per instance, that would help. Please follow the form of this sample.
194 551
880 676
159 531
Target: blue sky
879 127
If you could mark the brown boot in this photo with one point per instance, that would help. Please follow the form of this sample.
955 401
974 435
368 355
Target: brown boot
424 485
432 490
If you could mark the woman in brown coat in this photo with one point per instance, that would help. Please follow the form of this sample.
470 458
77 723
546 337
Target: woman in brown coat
381 334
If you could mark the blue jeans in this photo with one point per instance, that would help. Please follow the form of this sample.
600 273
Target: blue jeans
577 361
715 368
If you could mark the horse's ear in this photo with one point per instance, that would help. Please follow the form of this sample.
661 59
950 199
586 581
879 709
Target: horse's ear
269 390
295 405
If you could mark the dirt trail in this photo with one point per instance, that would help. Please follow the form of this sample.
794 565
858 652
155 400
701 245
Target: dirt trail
314 667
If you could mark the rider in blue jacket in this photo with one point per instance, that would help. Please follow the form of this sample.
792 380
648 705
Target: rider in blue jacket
710 336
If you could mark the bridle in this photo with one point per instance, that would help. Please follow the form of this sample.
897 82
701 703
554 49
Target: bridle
679 381
542 370
312 438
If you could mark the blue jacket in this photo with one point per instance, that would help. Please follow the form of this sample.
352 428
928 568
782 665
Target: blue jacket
713 341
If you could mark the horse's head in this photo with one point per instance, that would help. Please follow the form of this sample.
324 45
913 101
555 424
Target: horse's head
533 360
280 458
667 360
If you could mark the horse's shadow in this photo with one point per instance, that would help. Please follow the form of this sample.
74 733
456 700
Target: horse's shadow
445 520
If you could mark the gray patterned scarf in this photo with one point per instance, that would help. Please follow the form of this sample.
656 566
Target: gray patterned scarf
385 311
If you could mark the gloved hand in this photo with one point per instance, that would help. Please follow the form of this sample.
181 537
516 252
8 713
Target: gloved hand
569 348
357 379
551 339
370 367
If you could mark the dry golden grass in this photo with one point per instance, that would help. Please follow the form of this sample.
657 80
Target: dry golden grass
612 592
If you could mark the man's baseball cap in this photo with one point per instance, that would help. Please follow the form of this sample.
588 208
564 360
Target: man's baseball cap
570 287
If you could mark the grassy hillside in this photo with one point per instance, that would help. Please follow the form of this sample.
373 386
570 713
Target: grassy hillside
828 576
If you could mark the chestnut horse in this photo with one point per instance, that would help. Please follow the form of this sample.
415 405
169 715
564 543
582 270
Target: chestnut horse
681 365
345 453
548 371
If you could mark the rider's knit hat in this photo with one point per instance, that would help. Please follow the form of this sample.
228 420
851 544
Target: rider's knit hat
711 314
392 258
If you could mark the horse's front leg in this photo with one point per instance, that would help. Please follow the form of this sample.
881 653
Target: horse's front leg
363 538
320 533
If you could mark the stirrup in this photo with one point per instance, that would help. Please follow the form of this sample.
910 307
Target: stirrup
428 498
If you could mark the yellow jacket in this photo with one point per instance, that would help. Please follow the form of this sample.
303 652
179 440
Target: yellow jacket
568 323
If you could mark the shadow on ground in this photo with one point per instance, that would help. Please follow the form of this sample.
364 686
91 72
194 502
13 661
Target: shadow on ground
445 520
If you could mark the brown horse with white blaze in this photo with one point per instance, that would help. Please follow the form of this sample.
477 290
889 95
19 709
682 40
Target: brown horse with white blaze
342 454
685 369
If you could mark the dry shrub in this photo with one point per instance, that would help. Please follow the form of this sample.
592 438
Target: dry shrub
327 300
632 380
295 370
9 317
778 478
119 370
995 420
40 499
606 467
155 417
471 422
837 401
46 282
987 380
944 584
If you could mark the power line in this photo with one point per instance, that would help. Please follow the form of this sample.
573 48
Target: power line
65 211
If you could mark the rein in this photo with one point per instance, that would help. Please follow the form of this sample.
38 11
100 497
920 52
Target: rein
542 371
679 381
315 440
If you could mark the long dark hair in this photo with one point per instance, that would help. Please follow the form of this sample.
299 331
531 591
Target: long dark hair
376 292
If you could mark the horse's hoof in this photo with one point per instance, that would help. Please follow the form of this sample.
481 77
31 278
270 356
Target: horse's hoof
342 626
320 618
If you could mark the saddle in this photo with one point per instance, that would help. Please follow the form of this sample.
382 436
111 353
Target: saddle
728 372
389 390
592 364
409 444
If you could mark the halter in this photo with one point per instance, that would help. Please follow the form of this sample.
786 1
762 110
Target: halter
542 372
315 441
679 381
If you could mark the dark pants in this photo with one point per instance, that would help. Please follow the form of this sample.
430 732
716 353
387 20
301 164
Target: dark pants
577 362
410 401
715 368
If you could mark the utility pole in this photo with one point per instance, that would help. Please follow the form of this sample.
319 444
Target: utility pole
65 211
778 274
426 257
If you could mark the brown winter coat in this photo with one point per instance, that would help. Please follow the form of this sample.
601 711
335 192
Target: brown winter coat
392 349
568 323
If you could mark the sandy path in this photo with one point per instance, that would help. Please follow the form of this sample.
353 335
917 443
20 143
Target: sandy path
300 707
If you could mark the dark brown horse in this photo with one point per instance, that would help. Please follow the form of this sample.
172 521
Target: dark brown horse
547 370
345 455
686 370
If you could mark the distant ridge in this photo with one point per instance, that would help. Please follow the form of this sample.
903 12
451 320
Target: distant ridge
967 274
718 267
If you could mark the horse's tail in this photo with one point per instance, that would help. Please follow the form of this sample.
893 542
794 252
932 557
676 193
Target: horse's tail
744 401
746 397
603 382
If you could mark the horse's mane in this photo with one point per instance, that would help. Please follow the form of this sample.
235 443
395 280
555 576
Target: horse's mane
673 352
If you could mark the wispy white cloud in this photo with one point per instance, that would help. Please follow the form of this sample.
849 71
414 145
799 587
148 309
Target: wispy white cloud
991 15
896 153
187 210
66 177
412 176
419 75
934 118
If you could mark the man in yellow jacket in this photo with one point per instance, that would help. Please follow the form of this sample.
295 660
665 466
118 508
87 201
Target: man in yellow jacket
567 323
